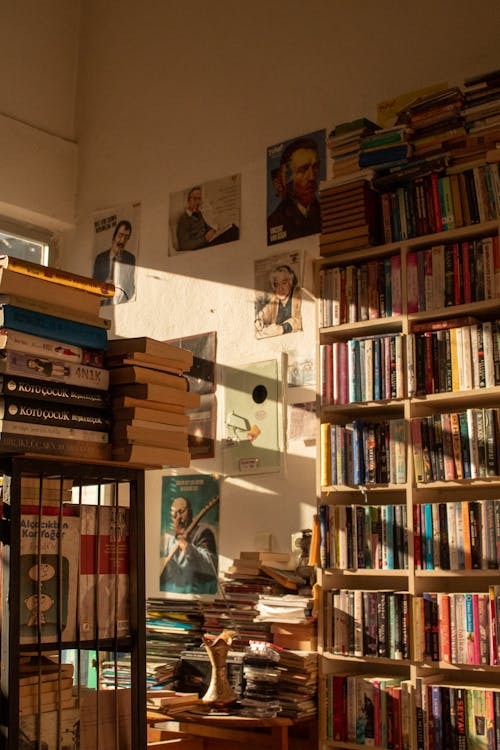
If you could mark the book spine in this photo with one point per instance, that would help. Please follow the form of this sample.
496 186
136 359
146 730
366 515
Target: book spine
52 327
52 413
25 342
42 368
49 430
57 276
55 446
41 390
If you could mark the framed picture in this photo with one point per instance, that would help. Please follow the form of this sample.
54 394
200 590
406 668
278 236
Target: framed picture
201 377
189 534
205 214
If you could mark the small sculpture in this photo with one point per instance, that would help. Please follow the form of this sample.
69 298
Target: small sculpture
219 690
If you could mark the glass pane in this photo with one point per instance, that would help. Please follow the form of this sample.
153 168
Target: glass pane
21 247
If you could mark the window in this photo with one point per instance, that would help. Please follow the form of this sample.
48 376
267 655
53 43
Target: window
25 241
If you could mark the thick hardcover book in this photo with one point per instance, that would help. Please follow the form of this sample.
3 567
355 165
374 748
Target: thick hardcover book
174 366
104 572
152 347
125 433
146 455
51 326
39 429
44 291
21 410
43 390
134 374
130 414
158 393
54 446
48 574
43 368
52 308
34 345
57 276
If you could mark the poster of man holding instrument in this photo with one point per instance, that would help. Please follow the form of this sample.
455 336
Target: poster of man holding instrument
189 529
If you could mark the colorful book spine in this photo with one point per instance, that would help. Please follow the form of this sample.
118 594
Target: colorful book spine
50 326
43 368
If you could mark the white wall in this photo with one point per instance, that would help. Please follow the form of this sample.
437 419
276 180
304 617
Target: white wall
172 93
38 153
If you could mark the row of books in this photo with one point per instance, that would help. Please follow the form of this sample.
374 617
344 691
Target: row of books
361 453
457 535
455 445
367 623
455 273
362 537
365 368
350 216
368 710
449 714
359 292
459 196
454 358
457 628
83 552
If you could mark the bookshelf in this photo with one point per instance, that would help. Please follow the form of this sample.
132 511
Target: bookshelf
90 582
397 588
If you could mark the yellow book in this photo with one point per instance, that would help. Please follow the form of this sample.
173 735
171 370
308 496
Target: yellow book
57 276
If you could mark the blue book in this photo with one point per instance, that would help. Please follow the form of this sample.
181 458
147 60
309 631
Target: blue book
428 539
358 467
49 326
388 535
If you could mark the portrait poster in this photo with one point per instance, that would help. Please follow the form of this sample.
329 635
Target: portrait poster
116 250
251 443
190 512
294 171
201 377
205 214
278 295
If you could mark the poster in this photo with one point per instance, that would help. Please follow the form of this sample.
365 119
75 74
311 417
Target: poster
189 534
201 377
251 419
294 170
205 214
116 250
278 295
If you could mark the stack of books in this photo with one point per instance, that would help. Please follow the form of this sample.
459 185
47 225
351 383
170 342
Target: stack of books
436 122
481 111
298 684
343 146
251 561
53 383
150 397
350 216
389 147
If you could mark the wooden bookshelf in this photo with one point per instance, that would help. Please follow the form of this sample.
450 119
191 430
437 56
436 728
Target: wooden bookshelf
342 691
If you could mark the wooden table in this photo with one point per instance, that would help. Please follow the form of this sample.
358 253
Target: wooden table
231 732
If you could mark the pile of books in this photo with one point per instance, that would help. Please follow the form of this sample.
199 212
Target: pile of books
350 216
298 684
343 146
53 383
436 122
150 397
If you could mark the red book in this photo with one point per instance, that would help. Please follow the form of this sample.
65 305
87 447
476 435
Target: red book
412 282
436 204
466 282
444 627
457 275
417 552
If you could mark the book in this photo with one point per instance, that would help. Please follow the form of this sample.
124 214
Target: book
57 276
157 393
14 409
44 368
48 568
44 291
40 429
25 342
149 346
54 446
146 455
104 587
52 308
144 412
164 364
41 390
125 374
127 433
51 326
